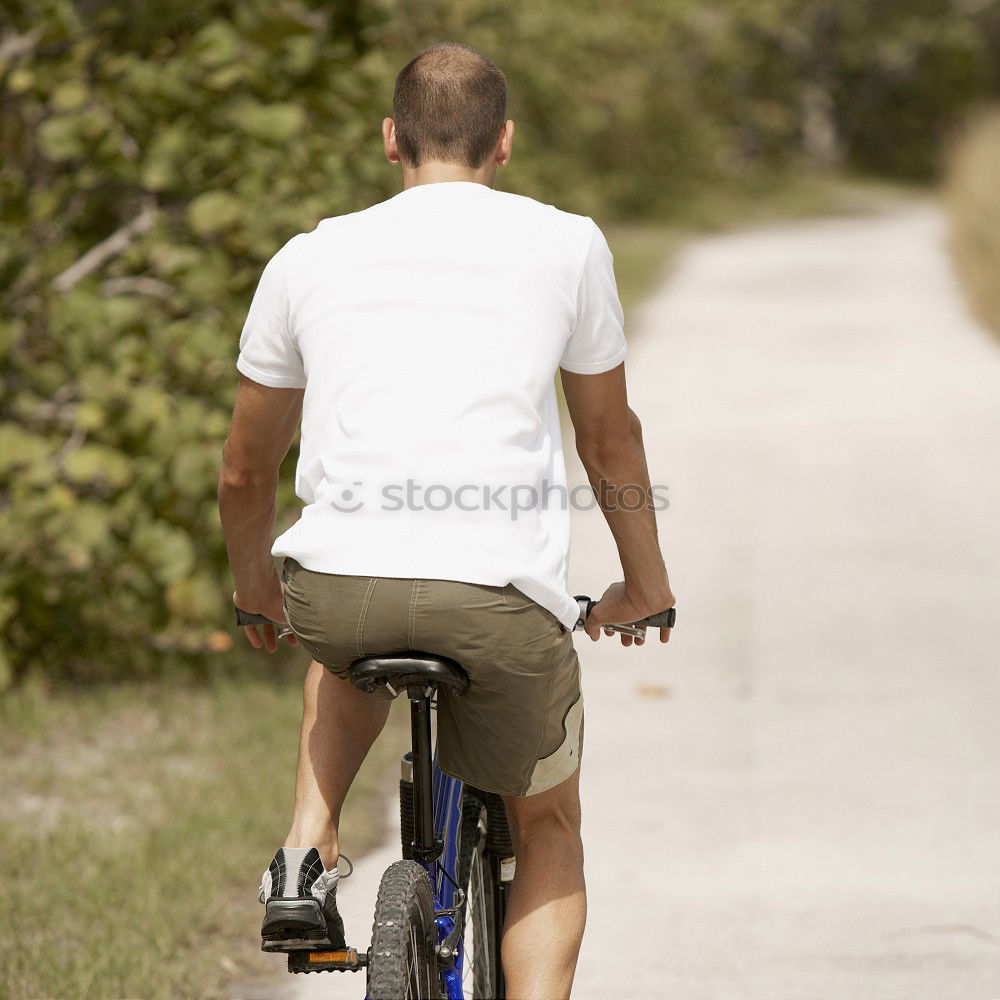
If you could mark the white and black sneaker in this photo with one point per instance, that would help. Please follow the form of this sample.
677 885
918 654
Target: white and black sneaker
300 898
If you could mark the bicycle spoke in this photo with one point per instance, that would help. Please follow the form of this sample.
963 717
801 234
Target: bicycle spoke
477 974
411 964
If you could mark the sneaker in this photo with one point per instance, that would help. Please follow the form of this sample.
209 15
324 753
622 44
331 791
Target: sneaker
300 898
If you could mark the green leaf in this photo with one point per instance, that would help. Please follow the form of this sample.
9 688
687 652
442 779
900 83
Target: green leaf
97 465
196 598
20 80
68 96
20 448
60 138
165 157
166 549
84 529
10 330
214 212
271 123
217 43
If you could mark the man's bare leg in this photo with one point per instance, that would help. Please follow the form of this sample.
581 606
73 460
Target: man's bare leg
339 726
548 904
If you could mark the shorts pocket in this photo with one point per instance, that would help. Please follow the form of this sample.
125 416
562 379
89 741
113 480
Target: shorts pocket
293 609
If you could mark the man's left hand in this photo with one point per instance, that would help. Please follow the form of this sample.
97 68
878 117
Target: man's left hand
265 599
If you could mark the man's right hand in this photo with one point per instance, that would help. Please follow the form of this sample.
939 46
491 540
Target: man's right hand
619 606
609 442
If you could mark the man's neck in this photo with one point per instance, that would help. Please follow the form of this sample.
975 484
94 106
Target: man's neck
436 171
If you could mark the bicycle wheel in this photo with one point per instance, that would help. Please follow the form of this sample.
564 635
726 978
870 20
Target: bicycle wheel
481 937
403 962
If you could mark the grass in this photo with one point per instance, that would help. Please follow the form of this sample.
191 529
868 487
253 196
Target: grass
134 824
972 198
643 251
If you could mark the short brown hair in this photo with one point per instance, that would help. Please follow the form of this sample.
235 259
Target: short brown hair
449 103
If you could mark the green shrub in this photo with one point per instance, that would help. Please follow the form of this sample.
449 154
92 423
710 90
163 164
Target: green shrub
203 136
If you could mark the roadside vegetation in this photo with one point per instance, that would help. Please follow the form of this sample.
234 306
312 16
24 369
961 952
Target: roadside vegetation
644 251
134 826
972 196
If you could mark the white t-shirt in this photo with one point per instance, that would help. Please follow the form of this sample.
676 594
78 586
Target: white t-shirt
426 331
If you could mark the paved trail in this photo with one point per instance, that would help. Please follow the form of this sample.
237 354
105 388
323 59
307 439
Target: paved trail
797 799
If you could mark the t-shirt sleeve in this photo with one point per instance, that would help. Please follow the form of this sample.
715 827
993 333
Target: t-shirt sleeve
269 353
597 343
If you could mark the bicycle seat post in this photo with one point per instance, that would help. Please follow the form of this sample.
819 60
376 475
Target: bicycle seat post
425 847
420 675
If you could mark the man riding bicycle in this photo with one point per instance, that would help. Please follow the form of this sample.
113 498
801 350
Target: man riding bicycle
418 341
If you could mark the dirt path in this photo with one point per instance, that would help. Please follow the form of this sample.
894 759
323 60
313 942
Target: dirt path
798 798
812 810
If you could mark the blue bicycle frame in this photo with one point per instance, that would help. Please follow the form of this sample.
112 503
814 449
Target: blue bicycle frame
437 820
447 822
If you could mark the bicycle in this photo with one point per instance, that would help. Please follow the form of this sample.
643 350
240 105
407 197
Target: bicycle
440 911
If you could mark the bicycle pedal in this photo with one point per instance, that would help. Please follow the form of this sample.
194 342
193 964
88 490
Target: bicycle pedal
348 960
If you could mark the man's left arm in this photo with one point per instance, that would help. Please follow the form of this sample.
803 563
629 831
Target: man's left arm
263 427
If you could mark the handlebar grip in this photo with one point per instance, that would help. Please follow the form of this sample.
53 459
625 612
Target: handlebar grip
249 618
663 619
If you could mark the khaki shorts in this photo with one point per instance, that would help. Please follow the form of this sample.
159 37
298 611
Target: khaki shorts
518 729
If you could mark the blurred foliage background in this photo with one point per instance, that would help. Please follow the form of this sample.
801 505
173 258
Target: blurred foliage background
155 153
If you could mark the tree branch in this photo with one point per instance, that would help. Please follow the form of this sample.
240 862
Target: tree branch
13 45
137 285
108 248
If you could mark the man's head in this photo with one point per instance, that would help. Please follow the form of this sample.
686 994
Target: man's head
449 106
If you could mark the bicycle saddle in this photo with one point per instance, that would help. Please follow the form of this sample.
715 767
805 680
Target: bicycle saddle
404 670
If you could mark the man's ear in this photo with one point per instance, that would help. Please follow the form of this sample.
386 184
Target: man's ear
505 143
389 140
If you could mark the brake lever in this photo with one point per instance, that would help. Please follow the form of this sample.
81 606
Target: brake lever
626 630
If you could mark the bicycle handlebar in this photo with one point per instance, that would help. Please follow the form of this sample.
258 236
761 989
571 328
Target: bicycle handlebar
663 619
249 618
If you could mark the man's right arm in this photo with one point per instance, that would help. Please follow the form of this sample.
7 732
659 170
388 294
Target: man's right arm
609 442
